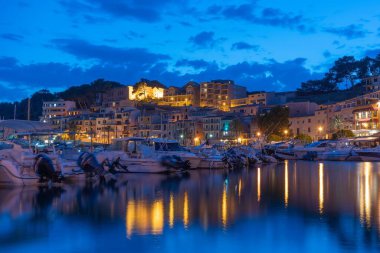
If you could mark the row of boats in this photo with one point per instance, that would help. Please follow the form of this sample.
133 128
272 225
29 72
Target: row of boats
324 150
20 164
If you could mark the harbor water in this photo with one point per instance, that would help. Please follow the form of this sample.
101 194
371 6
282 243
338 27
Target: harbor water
295 206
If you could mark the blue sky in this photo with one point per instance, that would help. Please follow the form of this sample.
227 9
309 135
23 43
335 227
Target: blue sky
264 45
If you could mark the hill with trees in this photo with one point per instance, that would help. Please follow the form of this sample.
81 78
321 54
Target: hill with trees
347 73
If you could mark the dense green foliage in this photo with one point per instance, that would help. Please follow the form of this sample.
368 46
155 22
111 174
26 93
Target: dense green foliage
343 133
85 94
275 137
304 138
274 122
346 72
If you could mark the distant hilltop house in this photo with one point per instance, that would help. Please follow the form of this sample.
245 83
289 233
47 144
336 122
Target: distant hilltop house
146 90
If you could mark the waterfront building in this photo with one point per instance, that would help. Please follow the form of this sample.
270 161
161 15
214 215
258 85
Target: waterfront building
219 93
56 109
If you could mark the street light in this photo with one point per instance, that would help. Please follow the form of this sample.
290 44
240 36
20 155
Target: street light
211 135
181 136
258 134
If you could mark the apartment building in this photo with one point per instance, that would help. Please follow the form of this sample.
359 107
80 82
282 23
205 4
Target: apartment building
56 109
219 93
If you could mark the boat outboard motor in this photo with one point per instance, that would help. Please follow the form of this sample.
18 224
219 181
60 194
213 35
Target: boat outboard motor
44 168
175 162
88 163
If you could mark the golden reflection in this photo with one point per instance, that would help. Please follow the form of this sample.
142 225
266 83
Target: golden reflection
144 218
171 211
258 184
185 210
157 217
286 184
224 206
239 188
321 196
365 193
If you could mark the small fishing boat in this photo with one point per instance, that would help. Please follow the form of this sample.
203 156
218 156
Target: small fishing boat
20 166
139 155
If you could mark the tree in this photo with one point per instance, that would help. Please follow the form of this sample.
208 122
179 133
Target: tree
345 70
343 133
304 138
237 126
73 130
275 121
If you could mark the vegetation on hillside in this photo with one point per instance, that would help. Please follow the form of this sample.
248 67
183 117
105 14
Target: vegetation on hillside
84 95
347 72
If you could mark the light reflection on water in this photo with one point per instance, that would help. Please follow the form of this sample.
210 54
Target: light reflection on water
293 206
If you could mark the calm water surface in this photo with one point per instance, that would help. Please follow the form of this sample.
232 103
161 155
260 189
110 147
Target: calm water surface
290 207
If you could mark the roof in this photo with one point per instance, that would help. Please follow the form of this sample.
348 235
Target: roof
25 125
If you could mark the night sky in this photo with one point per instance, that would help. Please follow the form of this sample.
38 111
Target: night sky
264 45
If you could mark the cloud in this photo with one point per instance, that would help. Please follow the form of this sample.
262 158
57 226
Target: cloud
372 53
327 54
141 10
203 40
106 54
349 32
244 46
196 64
32 77
266 16
11 36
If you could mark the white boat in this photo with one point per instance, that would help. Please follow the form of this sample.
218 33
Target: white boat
210 157
307 152
20 166
172 147
138 155
338 151
369 154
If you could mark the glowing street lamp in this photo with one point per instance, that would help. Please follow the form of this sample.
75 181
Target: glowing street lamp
211 135
258 134
181 136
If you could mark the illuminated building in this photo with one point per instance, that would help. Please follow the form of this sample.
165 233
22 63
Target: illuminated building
219 93
185 96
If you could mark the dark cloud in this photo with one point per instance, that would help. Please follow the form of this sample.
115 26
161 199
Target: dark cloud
196 64
327 54
106 54
372 52
267 16
244 46
272 75
349 32
203 40
11 36
141 10
187 24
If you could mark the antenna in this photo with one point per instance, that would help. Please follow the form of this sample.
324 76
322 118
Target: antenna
14 112
28 108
